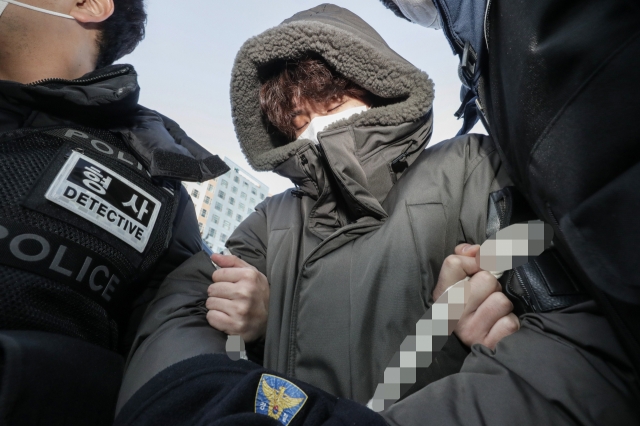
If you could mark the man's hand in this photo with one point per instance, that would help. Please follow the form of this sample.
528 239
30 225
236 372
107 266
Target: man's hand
457 267
487 317
238 300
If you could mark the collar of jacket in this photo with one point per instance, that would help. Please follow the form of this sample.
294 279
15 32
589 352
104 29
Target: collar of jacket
350 172
108 98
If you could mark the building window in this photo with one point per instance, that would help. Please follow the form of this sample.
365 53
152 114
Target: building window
239 218
212 232
210 188
243 195
245 185
207 200
200 227
216 219
249 211
235 179
253 191
232 200
203 213
234 189
261 196
252 201
226 225
223 237
241 206
224 183
221 194
229 212
195 193
218 207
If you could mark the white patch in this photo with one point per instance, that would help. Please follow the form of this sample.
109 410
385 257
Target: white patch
106 199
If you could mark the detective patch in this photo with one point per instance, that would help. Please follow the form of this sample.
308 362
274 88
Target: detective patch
106 199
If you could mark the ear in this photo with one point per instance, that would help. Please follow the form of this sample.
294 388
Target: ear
92 11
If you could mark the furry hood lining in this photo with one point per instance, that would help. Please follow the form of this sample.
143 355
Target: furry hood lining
350 46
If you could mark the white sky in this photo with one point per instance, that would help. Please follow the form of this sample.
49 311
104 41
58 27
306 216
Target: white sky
186 59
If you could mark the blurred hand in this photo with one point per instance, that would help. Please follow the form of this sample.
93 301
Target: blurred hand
238 301
487 317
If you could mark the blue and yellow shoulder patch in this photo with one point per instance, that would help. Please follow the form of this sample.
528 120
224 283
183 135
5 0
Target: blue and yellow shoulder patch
279 398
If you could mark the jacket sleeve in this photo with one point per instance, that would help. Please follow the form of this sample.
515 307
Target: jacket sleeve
561 368
174 326
249 240
484 174
249 243
185 242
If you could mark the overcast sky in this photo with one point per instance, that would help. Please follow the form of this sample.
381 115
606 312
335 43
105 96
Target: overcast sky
186 59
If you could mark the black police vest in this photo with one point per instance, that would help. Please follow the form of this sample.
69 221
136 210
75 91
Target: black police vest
82 224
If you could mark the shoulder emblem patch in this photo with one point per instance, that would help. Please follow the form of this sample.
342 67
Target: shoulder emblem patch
279 398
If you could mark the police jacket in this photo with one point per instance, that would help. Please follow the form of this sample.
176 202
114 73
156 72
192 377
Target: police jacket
90 204
353 254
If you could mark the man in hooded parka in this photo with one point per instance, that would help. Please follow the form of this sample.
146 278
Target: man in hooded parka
562 367
352 255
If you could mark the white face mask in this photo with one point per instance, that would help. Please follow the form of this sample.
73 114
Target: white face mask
3 4
320 123
421 12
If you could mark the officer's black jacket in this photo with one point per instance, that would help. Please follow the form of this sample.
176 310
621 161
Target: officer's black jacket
59 271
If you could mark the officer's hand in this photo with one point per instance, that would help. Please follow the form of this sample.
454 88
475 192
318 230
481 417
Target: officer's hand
487 317
238 300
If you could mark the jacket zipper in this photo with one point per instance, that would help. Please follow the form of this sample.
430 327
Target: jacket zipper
524 287
81 81
294 310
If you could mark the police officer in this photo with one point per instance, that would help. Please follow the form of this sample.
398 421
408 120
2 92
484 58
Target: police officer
553 83
90 206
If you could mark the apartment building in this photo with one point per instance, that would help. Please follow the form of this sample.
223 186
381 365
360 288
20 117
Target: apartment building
222 203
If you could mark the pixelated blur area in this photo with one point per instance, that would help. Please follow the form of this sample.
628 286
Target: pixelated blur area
417 350
515 245
235 348
509 248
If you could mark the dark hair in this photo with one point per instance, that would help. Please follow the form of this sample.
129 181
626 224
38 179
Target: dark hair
305 79
122 32
392 6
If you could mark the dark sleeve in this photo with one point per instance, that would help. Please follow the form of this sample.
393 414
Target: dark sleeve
185 242
560 368
212 389
174 327
448 361
249 243
249 240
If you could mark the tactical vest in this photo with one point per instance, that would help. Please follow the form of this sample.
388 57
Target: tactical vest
82 224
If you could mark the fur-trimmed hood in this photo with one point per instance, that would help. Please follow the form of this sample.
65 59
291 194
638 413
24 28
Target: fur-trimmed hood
349 45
